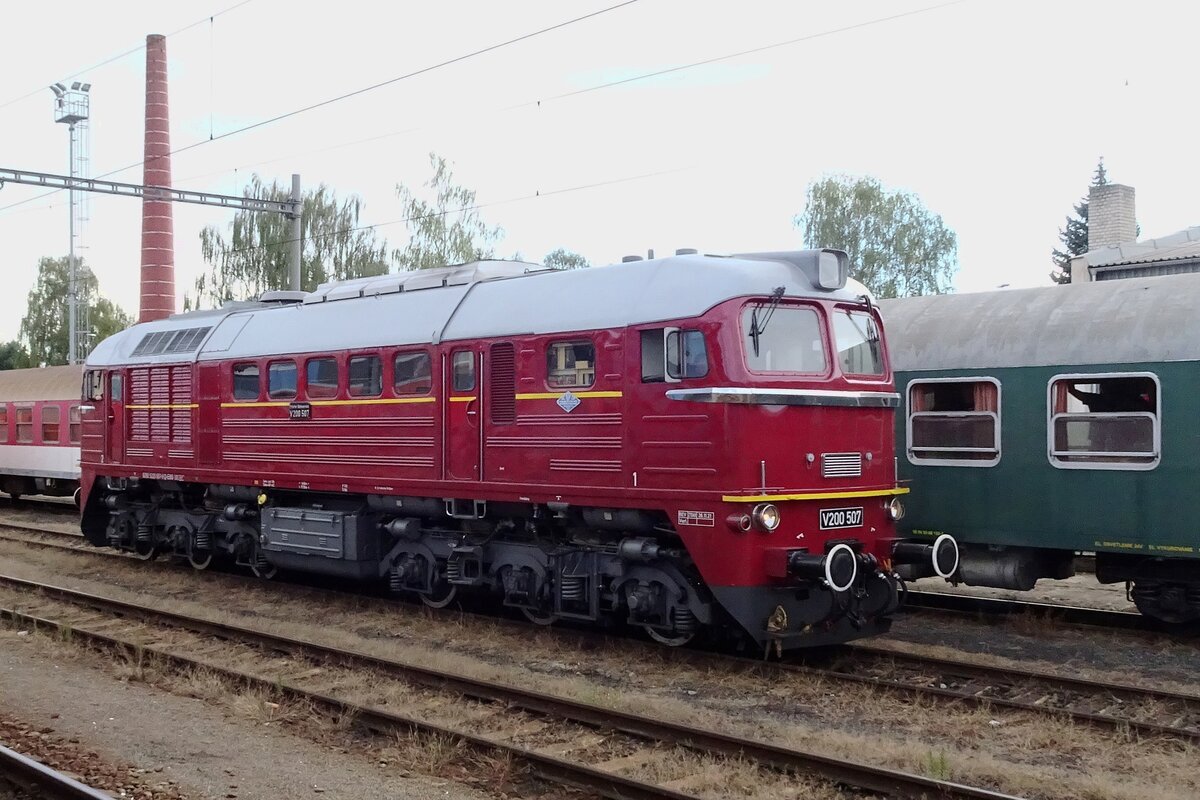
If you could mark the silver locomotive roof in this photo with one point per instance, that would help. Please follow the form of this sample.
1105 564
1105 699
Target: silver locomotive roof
1106 322
482 299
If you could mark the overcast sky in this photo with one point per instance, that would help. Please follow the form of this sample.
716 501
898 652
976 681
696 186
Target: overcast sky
993 113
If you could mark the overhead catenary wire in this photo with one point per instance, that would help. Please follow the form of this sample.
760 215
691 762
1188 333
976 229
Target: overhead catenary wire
357 92
123 54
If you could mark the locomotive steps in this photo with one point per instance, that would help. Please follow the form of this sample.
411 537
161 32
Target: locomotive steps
559 740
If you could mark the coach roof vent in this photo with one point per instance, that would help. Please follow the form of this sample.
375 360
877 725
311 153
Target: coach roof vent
282 297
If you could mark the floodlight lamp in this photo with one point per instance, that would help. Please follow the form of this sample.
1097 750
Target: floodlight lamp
75 86
57 91
61 87
87 87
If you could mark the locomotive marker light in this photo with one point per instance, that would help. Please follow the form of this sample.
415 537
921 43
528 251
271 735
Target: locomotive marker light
895 509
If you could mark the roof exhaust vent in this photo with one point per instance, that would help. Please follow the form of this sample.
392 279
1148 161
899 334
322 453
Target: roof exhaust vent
627 259
650 253
282 296
686 251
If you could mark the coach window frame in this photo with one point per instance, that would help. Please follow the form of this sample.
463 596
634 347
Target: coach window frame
324 394
74 424
1092 377
233 382
282 394
55 414
571 342
996 415
378 376
18 408
4 418
428 359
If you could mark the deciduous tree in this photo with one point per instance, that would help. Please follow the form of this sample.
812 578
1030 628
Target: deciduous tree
45 327
897 246
13 356
446 230
565 259
253 255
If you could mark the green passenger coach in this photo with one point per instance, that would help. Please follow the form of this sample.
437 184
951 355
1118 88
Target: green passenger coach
1038 423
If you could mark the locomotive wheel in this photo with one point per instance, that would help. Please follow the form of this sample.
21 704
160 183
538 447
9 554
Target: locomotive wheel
443 594
678 640
200 561
145 551
539 617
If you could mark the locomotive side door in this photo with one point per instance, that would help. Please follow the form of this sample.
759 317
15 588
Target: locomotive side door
461 379
115 424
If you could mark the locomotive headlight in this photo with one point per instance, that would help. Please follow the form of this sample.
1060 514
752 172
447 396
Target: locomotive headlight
766 516
896 509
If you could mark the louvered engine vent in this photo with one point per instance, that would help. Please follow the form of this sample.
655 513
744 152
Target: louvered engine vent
841 465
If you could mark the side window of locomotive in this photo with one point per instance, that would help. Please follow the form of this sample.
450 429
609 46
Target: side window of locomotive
463 365
245 382
93 385
321 378
24 424
51 417
281 380
654 362
115 388
783 339
3 423
1105 421
860 349
571 365
954 422
73 424
366 376
687 356
412 373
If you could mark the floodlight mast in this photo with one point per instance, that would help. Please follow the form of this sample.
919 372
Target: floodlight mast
72 107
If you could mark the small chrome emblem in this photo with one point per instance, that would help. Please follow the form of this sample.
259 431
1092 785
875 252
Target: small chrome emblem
568 402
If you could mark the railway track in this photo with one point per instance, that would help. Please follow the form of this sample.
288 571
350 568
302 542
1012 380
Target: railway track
40 781
971 605
1103 704
563 741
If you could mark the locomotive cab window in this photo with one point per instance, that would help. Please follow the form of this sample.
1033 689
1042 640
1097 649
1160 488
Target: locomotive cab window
463 363
93 385
24 416
51 416
571 365
954 422
860 349
281 380
245 382
1109 421
412 373
671 354
321 378
783 338
366 376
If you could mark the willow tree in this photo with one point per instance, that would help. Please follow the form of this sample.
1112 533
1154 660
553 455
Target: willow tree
253 254
447 229
897 246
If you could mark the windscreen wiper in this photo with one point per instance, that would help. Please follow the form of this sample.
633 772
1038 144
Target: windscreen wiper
757 328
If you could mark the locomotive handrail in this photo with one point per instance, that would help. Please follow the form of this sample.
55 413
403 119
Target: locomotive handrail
787 397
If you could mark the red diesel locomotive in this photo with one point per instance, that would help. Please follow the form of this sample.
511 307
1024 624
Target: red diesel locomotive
676 443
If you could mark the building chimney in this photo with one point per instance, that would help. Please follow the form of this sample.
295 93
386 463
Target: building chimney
1111 218
158 236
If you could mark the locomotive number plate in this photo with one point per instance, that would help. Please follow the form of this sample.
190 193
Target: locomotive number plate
832 518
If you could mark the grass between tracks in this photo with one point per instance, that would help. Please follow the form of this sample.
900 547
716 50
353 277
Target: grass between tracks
1025 754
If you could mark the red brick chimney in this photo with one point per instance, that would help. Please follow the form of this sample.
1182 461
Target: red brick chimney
158 236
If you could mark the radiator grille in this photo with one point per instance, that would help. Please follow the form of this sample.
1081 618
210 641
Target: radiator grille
841 465
503 388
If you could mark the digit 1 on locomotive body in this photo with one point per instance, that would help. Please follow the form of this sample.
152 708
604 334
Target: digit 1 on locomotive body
693 444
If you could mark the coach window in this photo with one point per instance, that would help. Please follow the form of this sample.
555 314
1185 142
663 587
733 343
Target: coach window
412 373
1109 421
571 365
281 380
463 363
366 376
321 378
24 424
73 424
245 382
954 422
51 432
3 423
